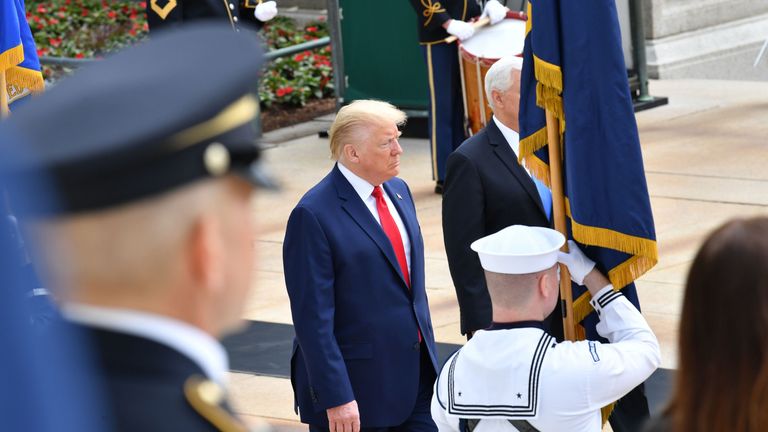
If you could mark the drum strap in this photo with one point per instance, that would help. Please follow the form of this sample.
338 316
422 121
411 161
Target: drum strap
469 425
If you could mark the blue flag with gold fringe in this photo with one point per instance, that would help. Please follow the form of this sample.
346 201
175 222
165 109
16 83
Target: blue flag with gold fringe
18 56
574 66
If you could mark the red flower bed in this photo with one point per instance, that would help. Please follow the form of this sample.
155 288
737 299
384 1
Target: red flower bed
92 28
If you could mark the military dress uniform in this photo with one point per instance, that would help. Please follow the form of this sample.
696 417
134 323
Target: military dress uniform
515 376
162 14
128 129
446 106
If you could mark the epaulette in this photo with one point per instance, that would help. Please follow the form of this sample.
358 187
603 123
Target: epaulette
206 397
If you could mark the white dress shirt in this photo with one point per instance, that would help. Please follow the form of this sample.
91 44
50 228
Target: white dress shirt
365 191
190 341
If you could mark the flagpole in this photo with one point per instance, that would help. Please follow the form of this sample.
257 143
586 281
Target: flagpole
4 110
558 214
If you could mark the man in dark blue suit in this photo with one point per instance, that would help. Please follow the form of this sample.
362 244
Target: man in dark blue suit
364 354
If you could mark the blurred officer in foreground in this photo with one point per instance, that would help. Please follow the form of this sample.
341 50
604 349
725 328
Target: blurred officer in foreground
150 247
514 376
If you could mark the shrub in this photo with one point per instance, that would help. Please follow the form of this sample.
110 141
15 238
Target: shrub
93 28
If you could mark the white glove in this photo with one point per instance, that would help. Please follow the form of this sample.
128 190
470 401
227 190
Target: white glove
495 11
578 264
265 11
460 29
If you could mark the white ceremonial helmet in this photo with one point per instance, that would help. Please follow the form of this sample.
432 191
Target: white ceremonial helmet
519 249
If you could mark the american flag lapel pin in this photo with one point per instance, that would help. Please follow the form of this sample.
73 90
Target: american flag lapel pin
398 196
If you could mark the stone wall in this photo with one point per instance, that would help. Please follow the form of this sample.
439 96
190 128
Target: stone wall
705 38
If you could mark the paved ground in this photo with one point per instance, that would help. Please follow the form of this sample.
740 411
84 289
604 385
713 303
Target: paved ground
705 159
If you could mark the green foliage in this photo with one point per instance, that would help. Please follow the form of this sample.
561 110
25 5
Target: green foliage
84 28
296 79
93 28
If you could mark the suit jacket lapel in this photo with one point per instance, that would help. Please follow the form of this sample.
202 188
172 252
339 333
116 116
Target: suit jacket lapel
356 208
502 149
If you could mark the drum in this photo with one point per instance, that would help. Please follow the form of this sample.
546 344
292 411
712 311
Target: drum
477 54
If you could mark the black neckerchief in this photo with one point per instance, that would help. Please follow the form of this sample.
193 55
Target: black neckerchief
516 325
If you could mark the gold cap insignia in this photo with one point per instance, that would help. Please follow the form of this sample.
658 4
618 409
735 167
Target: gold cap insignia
216 159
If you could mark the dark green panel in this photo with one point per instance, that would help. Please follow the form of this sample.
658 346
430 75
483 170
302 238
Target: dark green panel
382 56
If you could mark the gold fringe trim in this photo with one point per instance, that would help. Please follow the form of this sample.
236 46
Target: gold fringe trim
581 307
549 98
548 74
620 276
11 57
606 411
538 168
603 237
529 21
531 143
630 270
25 78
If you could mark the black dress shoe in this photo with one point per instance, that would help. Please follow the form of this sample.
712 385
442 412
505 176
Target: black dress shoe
439 188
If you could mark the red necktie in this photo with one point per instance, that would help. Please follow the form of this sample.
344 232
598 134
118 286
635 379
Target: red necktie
390 229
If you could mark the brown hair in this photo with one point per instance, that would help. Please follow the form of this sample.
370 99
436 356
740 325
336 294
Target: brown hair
722 382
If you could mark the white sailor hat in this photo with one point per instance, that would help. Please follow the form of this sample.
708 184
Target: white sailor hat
519 249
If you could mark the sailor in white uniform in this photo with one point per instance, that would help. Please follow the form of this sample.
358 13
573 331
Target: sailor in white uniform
514 376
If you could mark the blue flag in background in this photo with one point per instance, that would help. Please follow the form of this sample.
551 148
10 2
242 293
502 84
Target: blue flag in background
18 55
574 66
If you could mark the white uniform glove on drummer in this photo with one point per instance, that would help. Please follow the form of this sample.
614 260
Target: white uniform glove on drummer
265 11
494 11
578 264
460 29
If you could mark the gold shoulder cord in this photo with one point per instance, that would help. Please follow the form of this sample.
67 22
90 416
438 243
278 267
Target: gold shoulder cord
430 9
205 396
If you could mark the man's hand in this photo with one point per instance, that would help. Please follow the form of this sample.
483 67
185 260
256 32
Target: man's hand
460 29
578 264
265 11
494 11
344 418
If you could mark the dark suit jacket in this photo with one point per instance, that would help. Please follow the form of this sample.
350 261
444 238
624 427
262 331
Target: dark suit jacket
356 321
431 18
486 190
144 384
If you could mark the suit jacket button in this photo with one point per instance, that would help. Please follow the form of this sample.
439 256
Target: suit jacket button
416 346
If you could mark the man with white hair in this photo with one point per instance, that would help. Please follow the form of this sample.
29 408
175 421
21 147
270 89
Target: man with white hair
514 376
364 354
486 189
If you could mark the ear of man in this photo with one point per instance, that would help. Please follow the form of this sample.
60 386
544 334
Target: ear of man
350 153
206 255
498 100
544 285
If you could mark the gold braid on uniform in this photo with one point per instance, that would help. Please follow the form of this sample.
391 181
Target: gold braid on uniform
205 396
162 12
430 9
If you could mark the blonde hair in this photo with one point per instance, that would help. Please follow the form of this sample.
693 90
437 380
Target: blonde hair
353 121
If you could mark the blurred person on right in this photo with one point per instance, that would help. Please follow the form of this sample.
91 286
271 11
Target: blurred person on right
722 378
149 245
514 375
